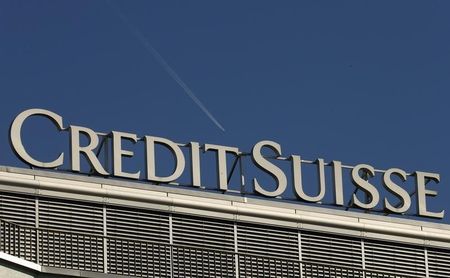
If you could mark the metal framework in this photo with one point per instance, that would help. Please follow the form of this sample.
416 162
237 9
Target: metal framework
110 229
124 256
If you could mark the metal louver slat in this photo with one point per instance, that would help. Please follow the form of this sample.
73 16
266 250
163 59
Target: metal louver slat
269 251
395 258
200 241
146 252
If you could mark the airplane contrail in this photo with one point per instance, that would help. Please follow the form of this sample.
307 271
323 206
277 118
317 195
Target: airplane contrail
138 34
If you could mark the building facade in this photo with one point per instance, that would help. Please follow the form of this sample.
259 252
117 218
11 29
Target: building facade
56 224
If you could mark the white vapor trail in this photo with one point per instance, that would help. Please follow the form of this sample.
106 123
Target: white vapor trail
138 34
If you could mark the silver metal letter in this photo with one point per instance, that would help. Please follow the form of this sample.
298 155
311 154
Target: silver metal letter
366 186
422 193
118 152
338 184
297 177
396 190
16 138
269 167
222 162
87 151
178 155
195 164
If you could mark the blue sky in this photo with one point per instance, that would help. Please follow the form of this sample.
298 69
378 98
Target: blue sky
356 81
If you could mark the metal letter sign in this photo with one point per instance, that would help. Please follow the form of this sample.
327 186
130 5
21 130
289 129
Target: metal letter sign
361 175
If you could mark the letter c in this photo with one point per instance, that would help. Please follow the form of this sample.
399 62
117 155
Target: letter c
15 137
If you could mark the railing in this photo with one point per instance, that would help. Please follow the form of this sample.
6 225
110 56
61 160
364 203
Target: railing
122 256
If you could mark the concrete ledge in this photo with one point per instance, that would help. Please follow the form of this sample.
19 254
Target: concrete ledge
69 273
21 262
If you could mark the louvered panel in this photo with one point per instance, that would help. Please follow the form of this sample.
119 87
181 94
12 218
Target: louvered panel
374 274
19 209
331 249
71 216
137 224
72 249
18 241
268 241
439 263
137 258
270 251
259 266
203 232
312 270
195 262
206 236
139 252
395 258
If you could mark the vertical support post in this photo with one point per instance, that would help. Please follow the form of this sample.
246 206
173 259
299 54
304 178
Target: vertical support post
363 256
300 258
236 255
171 244
427 272
36 225
105 242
